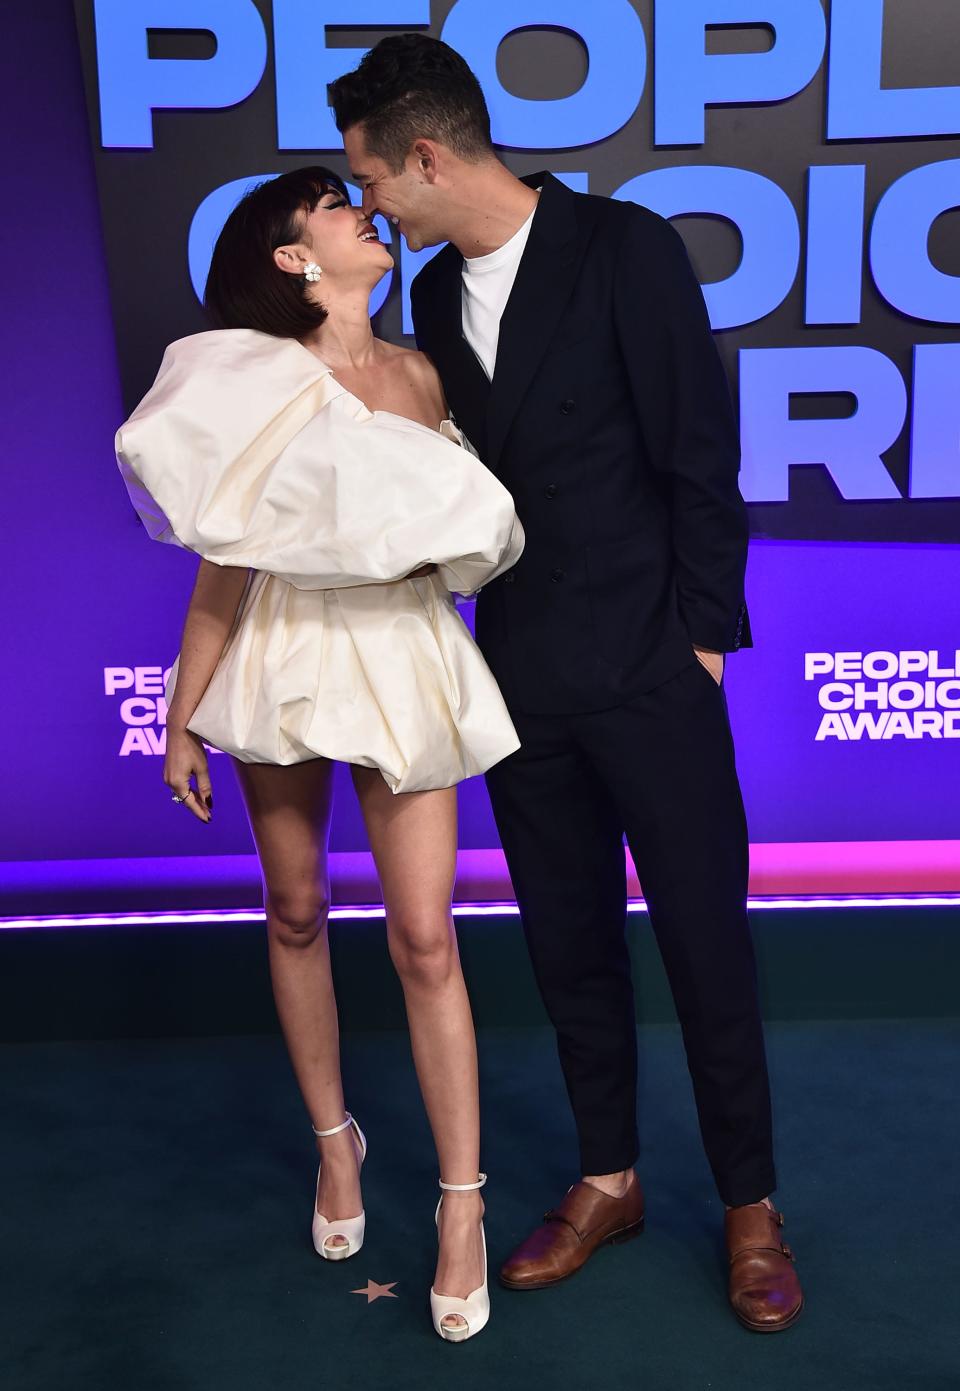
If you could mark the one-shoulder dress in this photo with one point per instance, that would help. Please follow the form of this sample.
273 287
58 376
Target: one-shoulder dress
247 451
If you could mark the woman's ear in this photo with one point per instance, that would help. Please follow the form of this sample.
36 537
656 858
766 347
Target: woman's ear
289 259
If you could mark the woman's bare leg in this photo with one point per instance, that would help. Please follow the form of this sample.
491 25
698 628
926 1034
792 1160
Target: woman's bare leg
289 811
413 837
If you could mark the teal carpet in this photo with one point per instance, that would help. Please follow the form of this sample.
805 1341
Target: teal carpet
157 1197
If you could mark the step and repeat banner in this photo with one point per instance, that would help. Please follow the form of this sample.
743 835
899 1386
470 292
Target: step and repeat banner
809 153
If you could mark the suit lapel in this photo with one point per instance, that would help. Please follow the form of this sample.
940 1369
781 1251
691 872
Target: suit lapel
544 282
464 380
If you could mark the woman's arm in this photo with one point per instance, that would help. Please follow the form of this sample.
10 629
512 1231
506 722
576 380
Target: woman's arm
213 606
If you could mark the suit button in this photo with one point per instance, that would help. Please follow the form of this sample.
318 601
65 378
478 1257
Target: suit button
567 407
550 490
556 576
509 577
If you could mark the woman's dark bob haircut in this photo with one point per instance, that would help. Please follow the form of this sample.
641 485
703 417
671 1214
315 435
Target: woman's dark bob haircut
245 287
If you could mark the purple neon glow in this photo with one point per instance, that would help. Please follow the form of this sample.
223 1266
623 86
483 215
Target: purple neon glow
460 910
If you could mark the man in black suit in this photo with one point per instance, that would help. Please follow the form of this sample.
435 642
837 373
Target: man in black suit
575 352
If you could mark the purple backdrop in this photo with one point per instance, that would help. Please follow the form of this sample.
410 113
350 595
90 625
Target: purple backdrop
85 589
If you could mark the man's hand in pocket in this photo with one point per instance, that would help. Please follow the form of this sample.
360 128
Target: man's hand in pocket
713 661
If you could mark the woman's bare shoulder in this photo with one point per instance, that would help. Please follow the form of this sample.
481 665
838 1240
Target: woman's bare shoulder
410 360
417 369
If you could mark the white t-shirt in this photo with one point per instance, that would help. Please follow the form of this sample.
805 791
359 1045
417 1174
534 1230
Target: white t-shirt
487 282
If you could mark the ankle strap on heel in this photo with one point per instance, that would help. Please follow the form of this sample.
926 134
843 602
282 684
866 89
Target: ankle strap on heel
463 1187
344 1125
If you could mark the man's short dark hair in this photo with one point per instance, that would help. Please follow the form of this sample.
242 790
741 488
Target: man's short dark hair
413 87
245 287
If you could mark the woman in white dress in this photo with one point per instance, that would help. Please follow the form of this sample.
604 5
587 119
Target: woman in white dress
334 508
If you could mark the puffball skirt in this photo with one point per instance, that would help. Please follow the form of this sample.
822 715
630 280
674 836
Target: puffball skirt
247 451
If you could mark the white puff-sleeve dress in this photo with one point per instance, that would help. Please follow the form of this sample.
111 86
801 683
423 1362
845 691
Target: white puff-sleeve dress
247 451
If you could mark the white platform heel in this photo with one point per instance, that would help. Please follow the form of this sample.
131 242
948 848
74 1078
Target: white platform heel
475 1309
351 1228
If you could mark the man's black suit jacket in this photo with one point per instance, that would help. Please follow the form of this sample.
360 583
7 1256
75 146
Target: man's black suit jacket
609 420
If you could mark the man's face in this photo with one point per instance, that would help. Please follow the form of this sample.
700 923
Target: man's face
408 199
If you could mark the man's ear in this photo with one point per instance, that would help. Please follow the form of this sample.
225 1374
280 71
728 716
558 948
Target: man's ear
426 156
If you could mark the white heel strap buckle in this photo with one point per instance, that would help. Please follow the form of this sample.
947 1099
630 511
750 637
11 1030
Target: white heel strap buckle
344 1125
463 1187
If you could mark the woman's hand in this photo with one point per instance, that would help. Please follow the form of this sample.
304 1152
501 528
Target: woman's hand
186 758
217 595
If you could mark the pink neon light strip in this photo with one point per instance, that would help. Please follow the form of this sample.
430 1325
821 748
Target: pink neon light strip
851 867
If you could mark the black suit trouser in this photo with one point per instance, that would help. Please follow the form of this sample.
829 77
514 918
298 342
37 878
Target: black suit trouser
661 771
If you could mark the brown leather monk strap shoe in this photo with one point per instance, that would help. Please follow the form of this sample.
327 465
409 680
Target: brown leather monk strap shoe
584 1220
764 1288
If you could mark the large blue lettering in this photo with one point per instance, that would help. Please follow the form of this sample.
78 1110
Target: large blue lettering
305 66
835 203
689 79
849 448
133 85
617 51
935 432
899 259
858 108
762 214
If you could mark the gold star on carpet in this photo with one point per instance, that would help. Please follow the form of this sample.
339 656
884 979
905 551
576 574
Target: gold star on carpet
374 1291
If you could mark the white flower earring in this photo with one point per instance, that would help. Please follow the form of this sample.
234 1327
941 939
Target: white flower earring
312 272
